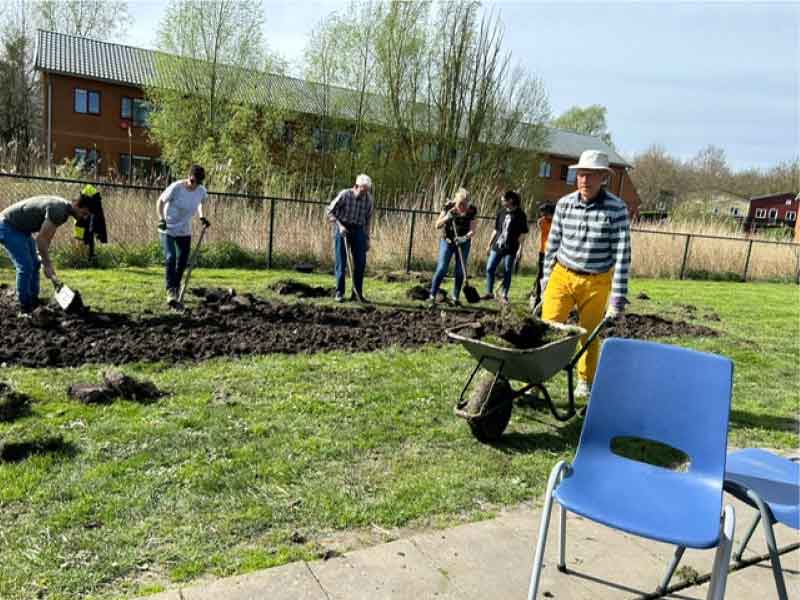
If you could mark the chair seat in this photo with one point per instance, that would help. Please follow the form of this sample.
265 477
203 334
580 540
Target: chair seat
601 490
774 478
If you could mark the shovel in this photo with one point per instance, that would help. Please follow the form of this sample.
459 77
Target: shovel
192 262
66 298
347 251
470 293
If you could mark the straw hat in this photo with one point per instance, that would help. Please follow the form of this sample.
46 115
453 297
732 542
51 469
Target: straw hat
593 160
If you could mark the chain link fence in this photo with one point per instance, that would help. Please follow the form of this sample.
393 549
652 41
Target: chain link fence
284 231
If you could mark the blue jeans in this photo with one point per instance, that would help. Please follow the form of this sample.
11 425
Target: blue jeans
358 254
446 252
21 249
176 255
495 258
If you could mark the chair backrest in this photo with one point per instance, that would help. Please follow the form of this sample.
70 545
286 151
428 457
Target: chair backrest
663 393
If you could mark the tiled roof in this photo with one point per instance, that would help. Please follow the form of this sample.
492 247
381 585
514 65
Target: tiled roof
115 63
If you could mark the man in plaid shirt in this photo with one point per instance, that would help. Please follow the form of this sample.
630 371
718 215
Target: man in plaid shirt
587 259
351 211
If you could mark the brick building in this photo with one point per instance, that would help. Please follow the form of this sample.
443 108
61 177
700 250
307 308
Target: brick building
95 111
773 210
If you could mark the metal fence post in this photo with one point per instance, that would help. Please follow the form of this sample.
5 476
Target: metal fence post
411 240
685 256
271 230
747 260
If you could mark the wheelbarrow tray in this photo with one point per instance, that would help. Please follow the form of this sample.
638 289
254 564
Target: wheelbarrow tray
531 365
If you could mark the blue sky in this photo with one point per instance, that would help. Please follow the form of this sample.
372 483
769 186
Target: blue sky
682 75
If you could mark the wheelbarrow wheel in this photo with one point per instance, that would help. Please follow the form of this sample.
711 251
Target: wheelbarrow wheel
494 405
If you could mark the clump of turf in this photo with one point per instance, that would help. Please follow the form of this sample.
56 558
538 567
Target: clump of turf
13 404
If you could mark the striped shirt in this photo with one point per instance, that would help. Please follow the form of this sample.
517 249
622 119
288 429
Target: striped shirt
591 238
349 209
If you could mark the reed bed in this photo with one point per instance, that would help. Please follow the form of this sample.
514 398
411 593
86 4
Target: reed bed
301 233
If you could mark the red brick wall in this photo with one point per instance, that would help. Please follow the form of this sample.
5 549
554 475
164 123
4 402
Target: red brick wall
71 129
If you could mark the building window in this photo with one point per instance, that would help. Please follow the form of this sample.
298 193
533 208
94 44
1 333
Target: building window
715 211
564 172
87 101
773 214
761 213
344 140
288 132
791 215
321 139
136 110
572 177
734 211
144 167
545 169
80 155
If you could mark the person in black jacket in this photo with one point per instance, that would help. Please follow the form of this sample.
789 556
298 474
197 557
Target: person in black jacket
511 226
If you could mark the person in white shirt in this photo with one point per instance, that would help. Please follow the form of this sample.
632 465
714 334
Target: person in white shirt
176 207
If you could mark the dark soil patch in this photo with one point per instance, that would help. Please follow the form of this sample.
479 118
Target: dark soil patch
631 325
224 324
642 296
115 385
20 450
13 404
287 287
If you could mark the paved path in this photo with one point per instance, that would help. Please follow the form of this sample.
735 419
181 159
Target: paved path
492 560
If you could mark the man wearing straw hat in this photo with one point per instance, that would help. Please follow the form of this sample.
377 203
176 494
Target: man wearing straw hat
351 211
588 256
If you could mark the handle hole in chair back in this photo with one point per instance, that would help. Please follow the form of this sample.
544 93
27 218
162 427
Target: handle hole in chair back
650 452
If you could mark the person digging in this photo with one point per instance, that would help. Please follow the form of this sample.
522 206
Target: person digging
176 206
588 257
351 214
457 222
40 216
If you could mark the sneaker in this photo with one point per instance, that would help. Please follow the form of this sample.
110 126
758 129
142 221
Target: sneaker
583 389
503 299
455 301
487 297
172 296
339 298
24 315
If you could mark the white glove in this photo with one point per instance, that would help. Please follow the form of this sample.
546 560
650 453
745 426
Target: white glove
616 306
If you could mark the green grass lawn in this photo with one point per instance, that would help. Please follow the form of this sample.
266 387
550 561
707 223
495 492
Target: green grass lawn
256 462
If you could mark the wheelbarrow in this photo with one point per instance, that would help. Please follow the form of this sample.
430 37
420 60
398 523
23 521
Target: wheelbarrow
489 408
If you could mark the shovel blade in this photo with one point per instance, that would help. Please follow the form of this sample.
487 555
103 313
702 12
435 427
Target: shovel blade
65 297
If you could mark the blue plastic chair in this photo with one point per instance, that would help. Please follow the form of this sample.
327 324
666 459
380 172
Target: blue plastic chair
666 394
771 485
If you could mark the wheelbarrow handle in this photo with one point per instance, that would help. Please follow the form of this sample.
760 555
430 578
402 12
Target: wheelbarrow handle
595 332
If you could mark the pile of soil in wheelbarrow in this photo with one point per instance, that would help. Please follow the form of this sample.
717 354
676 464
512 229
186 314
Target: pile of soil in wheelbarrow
516 328
225 324
287 287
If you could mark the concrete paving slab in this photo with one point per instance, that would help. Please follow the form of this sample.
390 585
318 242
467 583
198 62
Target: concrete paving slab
397 570
747 584
289 582
486 560
170 595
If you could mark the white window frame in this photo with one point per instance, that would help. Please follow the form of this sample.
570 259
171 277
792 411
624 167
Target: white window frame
773 214
791 215
545 169
761 213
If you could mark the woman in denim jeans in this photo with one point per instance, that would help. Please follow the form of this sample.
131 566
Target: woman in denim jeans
457 222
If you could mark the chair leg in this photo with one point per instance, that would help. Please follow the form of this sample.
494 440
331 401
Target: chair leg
719 573
746 539
676 558
772 546
562 539
555 477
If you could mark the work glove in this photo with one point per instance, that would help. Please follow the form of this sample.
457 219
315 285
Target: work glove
205 222
162 226
449 216
461 239
342 230
616 306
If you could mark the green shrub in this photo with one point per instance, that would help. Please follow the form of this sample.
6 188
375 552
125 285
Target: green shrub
222 255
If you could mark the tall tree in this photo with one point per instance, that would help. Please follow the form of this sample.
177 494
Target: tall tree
589 121
101 19
20 102
212 62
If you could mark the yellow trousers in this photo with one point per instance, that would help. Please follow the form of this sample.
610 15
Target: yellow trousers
589 294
